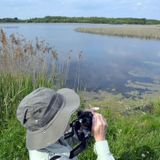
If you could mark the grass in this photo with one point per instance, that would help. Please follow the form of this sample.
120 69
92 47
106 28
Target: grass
145 32
133 132
12 91
23 67
133 136
130 136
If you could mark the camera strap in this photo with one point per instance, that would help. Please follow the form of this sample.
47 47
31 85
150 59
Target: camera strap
78 149
55 157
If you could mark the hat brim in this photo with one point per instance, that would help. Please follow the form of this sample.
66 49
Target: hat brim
56 128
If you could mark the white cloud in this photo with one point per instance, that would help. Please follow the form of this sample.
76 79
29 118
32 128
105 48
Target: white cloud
139 4
105 8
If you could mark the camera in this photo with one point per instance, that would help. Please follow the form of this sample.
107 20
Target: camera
82 127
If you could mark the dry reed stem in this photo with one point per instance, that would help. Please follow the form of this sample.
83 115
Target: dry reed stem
147 32
18 56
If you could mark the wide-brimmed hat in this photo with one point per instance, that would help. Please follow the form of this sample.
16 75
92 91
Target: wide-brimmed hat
45 113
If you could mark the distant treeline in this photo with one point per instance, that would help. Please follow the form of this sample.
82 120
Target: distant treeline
62 19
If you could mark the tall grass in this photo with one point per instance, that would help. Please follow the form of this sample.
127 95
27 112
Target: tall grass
12 91
134 137
19 56
36 58
146 32
24 66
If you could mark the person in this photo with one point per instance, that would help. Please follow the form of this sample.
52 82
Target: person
45 114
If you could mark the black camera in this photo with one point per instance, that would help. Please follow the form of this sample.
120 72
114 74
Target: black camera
82 127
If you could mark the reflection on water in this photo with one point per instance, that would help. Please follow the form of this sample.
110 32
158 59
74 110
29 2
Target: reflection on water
108 63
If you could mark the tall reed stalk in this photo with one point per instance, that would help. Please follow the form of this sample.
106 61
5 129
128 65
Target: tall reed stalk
145 32
19 56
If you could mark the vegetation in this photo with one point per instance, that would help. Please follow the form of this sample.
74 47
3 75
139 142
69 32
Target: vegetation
18 56
12 90
63 19
23 68
10 20
147 32
131 135
133 132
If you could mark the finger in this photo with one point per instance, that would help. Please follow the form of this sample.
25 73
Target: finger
94 122
104 122
97 114
95 109
101 120
90 110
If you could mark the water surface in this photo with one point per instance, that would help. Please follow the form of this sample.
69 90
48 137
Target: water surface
108 63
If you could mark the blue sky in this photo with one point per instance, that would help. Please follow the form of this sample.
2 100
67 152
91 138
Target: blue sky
105 8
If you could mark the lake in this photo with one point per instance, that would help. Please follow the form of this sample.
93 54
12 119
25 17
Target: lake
116 64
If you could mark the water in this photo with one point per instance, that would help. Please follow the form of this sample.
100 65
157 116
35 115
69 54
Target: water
109 63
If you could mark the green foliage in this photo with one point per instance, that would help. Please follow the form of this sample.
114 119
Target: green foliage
12 142
10 20
133 137
12 91
63 19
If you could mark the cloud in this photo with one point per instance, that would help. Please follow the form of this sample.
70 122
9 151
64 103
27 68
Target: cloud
139 3
105 8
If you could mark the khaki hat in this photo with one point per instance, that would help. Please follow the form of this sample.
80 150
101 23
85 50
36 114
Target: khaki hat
45 114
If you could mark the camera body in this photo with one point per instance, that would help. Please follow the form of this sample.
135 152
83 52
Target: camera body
82 127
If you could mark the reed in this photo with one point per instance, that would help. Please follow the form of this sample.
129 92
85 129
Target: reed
24 66
145 32
19 56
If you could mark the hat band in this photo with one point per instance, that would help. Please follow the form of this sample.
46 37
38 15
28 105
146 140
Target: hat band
54 106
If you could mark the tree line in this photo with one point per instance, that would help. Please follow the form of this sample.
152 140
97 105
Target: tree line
63 19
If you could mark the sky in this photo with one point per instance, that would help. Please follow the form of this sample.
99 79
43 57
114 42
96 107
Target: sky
101 8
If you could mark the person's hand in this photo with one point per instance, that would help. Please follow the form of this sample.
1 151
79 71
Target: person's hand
99 126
